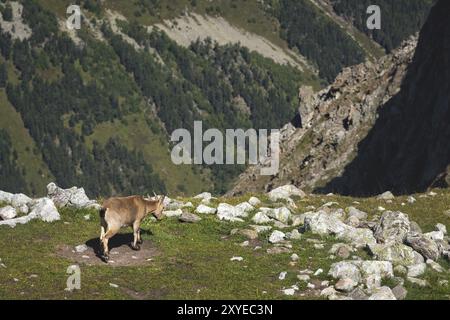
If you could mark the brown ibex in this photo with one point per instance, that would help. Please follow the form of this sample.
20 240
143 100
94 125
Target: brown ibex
127 211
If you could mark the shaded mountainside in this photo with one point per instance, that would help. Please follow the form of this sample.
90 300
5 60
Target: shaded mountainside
408 148
378 127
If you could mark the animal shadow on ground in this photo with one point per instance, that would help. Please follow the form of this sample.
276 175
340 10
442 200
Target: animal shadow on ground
117 241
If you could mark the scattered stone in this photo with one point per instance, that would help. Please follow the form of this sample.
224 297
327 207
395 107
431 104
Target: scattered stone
113 285
282 214
230 213
423 245
303 277
81 248
276 237
319 246
358 294
397 253
392 227
386 196
173 213
353 221
297 220
328 292
285 192
441 228
416 270
87 217
8 212
311 286
237 259
294 257
380 208
249 234
411 200
254 201
278 250
400 292
282 275
203 209
5 197
245 208
261 229
261 218
435 235
341 250
383 293
204 196
245 243
343 270
345 285
289 292
318 272
280 225
189 217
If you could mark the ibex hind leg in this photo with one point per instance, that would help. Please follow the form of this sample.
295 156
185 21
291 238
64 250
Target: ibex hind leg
136 236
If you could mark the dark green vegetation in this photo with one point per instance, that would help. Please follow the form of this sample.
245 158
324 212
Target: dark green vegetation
192 261
399 18
9 171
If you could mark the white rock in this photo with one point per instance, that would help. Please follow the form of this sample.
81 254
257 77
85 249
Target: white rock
229 213
245 207
294 235
327 292
435 235
261 218
173 213
294 257
203 196
311 286
411 200
345 285
442 228
282 214
289 292
254 201
345 269
73 197
45 210
417 270
353 212
318 272
303 277
237 259
435 266
81 248
202 209
188 205
392 227
383 293
6 197
276 237
386 196
285 192
7 213
113 285
282 275
20 200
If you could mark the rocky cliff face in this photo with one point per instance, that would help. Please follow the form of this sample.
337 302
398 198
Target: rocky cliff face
378 126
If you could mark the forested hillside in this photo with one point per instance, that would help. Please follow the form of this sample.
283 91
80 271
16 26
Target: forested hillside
400 18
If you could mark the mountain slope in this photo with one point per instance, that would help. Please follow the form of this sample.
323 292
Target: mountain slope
378 127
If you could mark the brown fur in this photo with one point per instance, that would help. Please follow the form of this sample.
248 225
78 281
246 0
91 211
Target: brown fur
127 212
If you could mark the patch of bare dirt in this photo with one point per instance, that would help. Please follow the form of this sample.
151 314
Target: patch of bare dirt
121 254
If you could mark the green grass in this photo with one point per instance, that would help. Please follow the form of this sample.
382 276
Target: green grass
193 260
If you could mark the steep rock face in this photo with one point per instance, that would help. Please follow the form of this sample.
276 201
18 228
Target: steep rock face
377 127
408 148
322 139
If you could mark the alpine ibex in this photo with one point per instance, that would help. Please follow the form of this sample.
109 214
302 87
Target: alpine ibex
127 211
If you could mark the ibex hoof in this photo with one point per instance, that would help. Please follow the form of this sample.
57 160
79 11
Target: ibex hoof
140 242
136 247
105 258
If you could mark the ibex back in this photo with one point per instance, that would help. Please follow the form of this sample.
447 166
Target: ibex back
127 212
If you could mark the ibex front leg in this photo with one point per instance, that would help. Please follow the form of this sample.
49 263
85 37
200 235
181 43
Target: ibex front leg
136 227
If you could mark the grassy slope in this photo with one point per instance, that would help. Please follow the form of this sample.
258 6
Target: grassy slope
194 260
137 135
24 145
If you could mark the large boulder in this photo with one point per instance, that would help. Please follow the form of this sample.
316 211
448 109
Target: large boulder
73 197
276 237
423 245
21 202
392 227
326 224
397 253
285 192
228 212
383 293
45 210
